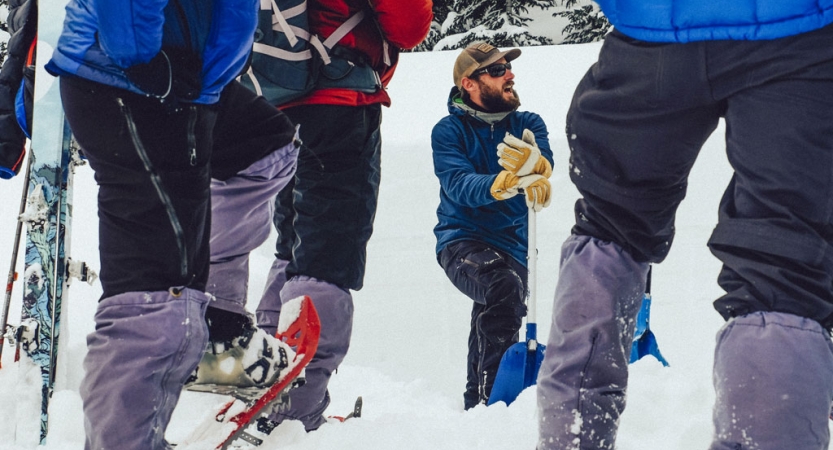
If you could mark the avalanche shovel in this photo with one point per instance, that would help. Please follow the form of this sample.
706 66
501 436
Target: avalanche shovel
519 366
644 341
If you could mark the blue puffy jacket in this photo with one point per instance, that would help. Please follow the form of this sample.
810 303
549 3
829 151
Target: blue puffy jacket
706 20
465 161
103 37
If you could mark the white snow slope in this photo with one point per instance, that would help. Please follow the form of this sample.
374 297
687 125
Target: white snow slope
408 353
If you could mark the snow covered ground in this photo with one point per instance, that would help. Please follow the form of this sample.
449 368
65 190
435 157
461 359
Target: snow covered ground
407 358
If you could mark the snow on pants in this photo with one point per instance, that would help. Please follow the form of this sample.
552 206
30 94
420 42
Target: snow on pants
787 407
637 122
153 165
497 284
582 381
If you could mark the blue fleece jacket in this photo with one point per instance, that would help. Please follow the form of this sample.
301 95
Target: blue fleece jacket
464 146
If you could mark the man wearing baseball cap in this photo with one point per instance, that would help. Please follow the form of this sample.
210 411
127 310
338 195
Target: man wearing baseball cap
486 152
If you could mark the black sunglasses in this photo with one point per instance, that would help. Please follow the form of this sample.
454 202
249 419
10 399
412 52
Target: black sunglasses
495 70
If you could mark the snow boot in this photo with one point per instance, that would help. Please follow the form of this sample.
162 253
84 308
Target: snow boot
773 379
583 379
242 363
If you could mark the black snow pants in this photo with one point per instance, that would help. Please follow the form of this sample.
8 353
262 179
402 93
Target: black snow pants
324 217
638 120
497 284
153 165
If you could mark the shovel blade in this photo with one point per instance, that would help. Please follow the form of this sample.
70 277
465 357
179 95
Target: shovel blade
518 370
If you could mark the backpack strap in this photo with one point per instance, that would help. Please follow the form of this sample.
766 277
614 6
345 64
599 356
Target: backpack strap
253 79
279 23
386 50
280 53
342 30
279 20
289 61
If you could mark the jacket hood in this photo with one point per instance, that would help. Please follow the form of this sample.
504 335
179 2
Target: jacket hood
457 107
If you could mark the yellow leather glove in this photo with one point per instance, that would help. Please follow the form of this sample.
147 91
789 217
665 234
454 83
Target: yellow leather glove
537 190
505 186
522 156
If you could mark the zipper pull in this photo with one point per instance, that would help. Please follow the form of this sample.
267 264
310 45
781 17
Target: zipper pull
192 139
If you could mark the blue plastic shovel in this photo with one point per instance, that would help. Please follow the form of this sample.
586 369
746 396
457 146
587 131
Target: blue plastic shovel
519 366
644 341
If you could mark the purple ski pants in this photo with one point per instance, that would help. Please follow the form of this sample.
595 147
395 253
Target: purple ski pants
584 376
636 125
153 165
147 344
241 217
773 379
773 372
335 309
145 347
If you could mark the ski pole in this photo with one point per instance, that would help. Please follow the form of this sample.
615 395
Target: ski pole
12 272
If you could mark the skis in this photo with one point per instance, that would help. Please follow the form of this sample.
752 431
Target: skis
48 217
244 421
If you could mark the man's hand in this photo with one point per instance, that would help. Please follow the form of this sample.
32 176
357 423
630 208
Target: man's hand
522 156
537 190
172 70
505 186
154 77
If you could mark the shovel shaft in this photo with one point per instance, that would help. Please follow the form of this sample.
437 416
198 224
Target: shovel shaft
520 364
532 262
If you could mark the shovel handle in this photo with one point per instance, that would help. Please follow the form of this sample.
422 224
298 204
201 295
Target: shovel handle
532 265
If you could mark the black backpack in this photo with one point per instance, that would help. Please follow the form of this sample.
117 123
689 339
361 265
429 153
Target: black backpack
288 61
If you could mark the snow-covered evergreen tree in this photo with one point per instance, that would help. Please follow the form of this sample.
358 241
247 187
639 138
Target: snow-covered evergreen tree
4 30
442 8
587 23
513 23
502 23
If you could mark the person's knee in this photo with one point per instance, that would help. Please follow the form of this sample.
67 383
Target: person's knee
643 228
506 291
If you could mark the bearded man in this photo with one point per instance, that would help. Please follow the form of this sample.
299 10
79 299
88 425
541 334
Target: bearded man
486 152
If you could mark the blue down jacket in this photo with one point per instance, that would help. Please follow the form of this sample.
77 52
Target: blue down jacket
464 146
706 20
103 37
